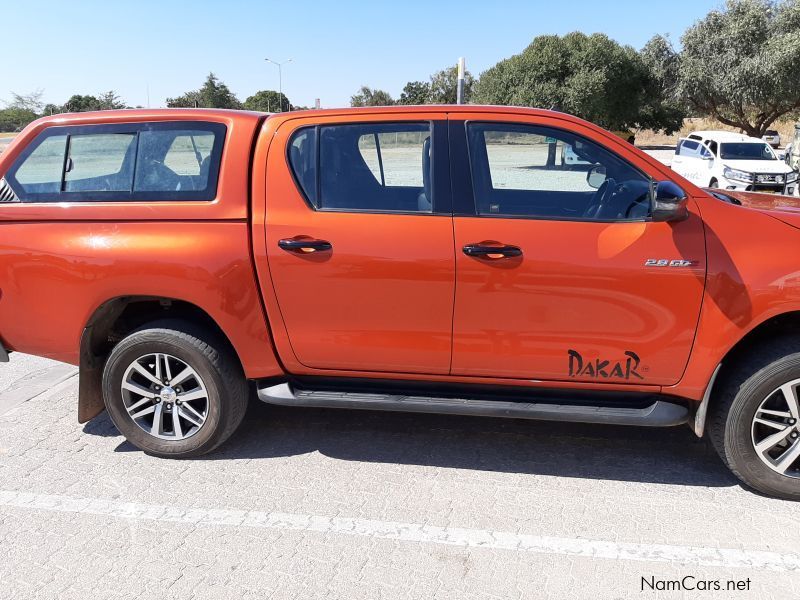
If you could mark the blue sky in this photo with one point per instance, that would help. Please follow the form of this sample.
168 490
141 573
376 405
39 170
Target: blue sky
86 46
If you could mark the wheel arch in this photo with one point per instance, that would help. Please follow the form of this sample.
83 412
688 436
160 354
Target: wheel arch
116 318
777 326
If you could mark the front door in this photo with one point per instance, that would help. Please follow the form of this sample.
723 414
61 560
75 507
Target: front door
561 275
360 244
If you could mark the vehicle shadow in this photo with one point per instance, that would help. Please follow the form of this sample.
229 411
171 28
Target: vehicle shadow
669 456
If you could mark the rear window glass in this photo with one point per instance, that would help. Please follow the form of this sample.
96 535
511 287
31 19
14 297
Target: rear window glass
384 167
141 162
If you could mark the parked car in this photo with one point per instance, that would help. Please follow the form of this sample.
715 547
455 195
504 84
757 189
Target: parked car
732 161
792 154
425 259
772 137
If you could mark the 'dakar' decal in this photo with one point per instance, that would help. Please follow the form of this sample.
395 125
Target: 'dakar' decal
604 369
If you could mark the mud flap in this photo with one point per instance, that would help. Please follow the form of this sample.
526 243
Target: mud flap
90 381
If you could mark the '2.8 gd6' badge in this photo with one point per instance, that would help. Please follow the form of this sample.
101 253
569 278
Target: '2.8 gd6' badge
666 262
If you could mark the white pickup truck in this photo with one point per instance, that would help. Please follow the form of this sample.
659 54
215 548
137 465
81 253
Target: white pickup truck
732 161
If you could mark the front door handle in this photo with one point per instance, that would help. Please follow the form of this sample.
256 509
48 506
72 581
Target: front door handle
491 252
304 245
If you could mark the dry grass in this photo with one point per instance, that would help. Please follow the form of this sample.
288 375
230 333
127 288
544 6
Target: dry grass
7 135
652 138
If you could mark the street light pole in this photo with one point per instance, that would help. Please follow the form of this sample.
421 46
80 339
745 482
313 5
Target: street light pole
280 79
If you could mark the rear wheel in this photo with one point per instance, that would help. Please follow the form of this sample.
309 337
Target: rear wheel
755 423
172 393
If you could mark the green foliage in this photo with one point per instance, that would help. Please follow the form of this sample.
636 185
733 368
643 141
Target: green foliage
14 119
213 94
740 65
78 103
415 92
368 97
590 76
268 101
444 86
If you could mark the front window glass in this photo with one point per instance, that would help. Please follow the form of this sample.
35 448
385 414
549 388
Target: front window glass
746 151
530 171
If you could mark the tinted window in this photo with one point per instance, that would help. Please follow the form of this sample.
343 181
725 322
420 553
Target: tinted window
540 172
143 162
100 163
688 148
303 159
746 151
365 167
174 160
40 173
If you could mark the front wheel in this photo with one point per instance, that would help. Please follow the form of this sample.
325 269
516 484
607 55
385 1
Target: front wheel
172 393
755 425
714 184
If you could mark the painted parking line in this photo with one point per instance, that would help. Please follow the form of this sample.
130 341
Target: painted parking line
408 532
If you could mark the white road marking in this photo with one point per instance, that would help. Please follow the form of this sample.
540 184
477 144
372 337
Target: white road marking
408 532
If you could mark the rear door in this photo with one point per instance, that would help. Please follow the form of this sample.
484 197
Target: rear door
359 242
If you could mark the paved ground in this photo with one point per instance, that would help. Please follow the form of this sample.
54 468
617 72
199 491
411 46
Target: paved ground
328 504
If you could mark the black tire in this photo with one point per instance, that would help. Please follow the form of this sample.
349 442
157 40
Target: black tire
214 361
714 184
747 384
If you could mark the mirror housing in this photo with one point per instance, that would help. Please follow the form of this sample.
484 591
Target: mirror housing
596 176
670 202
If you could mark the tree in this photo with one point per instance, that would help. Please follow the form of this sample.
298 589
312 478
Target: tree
368 97
14 119
111 101
739 65
444 86
663 105
415 92
79 103
268 101
590 76
213 94
31 102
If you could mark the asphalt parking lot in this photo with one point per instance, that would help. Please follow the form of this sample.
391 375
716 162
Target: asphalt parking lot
337 504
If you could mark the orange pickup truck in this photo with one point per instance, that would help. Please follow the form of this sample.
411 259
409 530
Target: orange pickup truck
431 259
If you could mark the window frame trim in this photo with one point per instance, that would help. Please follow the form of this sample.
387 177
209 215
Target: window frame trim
441 202
471 180
210 194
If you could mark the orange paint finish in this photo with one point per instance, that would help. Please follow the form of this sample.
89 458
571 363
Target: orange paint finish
753 275
578 286
54 276
60 262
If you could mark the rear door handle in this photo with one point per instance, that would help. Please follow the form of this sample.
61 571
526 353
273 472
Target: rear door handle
491 252
304 245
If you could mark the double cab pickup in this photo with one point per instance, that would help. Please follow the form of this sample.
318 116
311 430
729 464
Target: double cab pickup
444 259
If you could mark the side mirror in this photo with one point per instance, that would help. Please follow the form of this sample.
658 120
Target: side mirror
596 176
669 202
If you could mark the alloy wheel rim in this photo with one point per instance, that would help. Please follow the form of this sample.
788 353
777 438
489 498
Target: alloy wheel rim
165 396
775 431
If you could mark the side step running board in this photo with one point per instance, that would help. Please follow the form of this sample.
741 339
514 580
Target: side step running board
658 414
